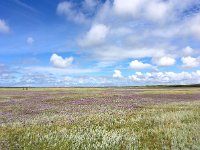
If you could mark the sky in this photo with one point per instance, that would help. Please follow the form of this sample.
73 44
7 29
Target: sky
99 42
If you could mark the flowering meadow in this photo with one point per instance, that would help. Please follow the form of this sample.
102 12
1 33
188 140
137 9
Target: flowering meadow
99 118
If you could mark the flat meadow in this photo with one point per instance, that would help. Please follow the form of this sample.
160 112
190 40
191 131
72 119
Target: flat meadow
99 118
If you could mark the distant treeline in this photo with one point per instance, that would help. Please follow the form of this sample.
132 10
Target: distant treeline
168 86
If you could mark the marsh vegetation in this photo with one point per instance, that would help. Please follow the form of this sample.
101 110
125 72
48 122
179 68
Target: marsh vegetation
100 118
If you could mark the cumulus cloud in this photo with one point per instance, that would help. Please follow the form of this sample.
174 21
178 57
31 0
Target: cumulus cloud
30 40
59 62
138 65
4 28
117 74
157 10
188 27
95 36
187 51
68 9
193 26
190 62
130 8
153 10
164 61
139 29
167 77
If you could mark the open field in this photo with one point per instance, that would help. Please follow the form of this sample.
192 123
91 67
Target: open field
100 118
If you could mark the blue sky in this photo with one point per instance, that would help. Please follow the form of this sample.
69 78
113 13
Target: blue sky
99 42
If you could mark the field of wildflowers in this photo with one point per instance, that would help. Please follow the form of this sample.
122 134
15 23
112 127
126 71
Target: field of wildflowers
100 118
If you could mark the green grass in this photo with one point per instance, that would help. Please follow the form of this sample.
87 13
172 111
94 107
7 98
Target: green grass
4 98
166 126
171 91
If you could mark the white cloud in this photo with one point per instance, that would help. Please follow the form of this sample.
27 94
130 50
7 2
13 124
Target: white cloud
4 28
120 31
60 62
134 78
166 31
78 80
90 4
190 62
164 61
64 7
60 71
104 12
154 10
95 36
130 8
193 26
132 34
138 65
115 53
117 74
198 72
189 26
167 78
138 73
70 12
69 79
157 10
187 51
93 81
30 40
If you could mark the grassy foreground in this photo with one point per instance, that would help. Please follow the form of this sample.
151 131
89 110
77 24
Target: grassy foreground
162 126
